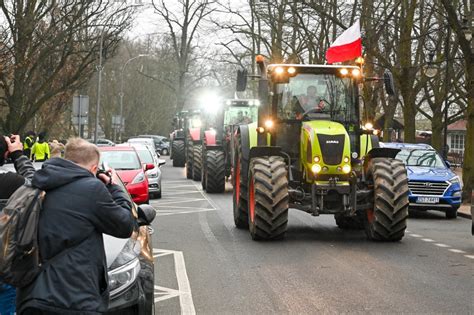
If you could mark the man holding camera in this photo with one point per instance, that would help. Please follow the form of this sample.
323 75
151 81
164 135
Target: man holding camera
11 147
79 206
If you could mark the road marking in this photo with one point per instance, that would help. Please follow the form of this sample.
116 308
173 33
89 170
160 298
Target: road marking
469 256
184 212
442 245
184 288
457 251
180 201
429 240
416 235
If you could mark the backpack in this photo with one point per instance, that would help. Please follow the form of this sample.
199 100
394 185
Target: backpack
20 260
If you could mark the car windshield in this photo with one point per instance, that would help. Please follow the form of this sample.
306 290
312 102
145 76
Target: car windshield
420 157
326 96
145 156
121 160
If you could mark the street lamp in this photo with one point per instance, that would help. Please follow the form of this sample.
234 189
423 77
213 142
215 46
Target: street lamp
121 94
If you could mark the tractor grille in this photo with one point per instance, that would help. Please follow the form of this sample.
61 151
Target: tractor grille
427 188
332 148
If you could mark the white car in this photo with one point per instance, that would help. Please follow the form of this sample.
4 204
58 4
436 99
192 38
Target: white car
148 156
144 141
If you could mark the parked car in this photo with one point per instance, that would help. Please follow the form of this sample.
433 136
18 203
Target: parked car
126 162
433 186
144 141
148 156
161 143
103 142
129 261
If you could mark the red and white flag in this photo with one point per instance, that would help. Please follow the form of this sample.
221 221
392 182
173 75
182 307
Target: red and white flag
347 46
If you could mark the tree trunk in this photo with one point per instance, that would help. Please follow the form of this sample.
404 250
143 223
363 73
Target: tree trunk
468 163
437 127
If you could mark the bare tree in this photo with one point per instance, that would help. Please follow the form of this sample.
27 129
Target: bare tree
49 48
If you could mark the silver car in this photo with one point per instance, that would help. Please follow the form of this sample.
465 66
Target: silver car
148 156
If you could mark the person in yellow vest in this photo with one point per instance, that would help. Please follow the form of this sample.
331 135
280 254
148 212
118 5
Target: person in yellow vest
40 150
28 143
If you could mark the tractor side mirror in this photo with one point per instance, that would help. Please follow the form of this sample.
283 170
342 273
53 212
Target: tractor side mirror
241 80
389 84
263 91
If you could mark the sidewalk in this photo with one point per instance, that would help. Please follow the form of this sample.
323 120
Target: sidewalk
465 211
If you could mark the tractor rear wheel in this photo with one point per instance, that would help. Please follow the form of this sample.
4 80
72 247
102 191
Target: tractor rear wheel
240 191
197 162
214 172
387 220
268 198
349 223
189 160
178 153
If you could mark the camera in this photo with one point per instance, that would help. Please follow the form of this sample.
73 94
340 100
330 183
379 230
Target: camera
102 170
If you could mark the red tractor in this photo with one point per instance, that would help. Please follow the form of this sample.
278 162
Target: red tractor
217 149
193 146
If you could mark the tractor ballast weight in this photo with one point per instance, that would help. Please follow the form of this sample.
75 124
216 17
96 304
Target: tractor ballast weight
310 151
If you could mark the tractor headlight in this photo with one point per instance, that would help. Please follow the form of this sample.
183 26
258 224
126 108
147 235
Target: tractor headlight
355 73
317 159
346 159
344 71
316 168
346 169
260 130
368 126
268 123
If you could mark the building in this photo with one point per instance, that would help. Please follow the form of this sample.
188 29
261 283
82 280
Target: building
457 137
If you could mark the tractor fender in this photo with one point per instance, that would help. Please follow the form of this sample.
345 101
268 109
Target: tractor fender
377 153
195 134
265 151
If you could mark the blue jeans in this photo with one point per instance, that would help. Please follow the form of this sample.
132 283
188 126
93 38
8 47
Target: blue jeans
7 299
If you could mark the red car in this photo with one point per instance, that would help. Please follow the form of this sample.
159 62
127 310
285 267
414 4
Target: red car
131 170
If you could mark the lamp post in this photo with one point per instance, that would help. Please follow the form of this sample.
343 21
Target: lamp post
121 94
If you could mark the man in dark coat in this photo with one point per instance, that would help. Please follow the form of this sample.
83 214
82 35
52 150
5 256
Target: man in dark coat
9 182
77 209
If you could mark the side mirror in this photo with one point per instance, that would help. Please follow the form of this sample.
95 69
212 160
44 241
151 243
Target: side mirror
149 166
158 154
448 164
389 84
241 80
161 162
146 214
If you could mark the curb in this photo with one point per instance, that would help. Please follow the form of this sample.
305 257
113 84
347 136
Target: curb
464 215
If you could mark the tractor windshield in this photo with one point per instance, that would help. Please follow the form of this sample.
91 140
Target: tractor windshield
237 115
317 96
195 121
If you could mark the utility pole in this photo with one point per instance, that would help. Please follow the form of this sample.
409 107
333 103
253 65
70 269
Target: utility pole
446 95
99 82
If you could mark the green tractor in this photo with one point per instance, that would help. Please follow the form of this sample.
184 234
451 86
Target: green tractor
309 151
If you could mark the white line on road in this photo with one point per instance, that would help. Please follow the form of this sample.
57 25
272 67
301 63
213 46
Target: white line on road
415 235
184 212
429 240
442 245
180 201
469 256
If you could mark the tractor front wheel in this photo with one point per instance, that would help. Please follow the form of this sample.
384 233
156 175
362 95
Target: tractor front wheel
215 171
240 191
178 153
268 198
387 220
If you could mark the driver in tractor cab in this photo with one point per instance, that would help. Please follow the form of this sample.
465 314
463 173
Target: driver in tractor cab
307 102
242 119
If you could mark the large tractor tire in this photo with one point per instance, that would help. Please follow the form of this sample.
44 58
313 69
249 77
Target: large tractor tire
387 220
197 162
240 191
178 153
349 223
268 198
189 160
214 172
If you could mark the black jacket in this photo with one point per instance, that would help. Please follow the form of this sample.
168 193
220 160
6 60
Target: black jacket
77 209
9 181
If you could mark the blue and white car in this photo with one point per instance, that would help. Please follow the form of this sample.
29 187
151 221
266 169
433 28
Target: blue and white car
433 186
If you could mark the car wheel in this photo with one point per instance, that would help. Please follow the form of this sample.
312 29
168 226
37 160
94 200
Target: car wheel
158 195
452 213
164 152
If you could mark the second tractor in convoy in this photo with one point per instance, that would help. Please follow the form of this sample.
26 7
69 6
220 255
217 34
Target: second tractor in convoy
310 150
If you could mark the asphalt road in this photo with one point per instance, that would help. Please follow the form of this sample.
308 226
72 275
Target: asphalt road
205 265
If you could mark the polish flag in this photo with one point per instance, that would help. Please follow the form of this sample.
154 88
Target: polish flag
347 46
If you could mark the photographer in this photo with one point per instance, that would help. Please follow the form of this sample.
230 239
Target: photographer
11 147
78 208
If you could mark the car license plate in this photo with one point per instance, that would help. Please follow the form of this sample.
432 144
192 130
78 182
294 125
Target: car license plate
427 200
